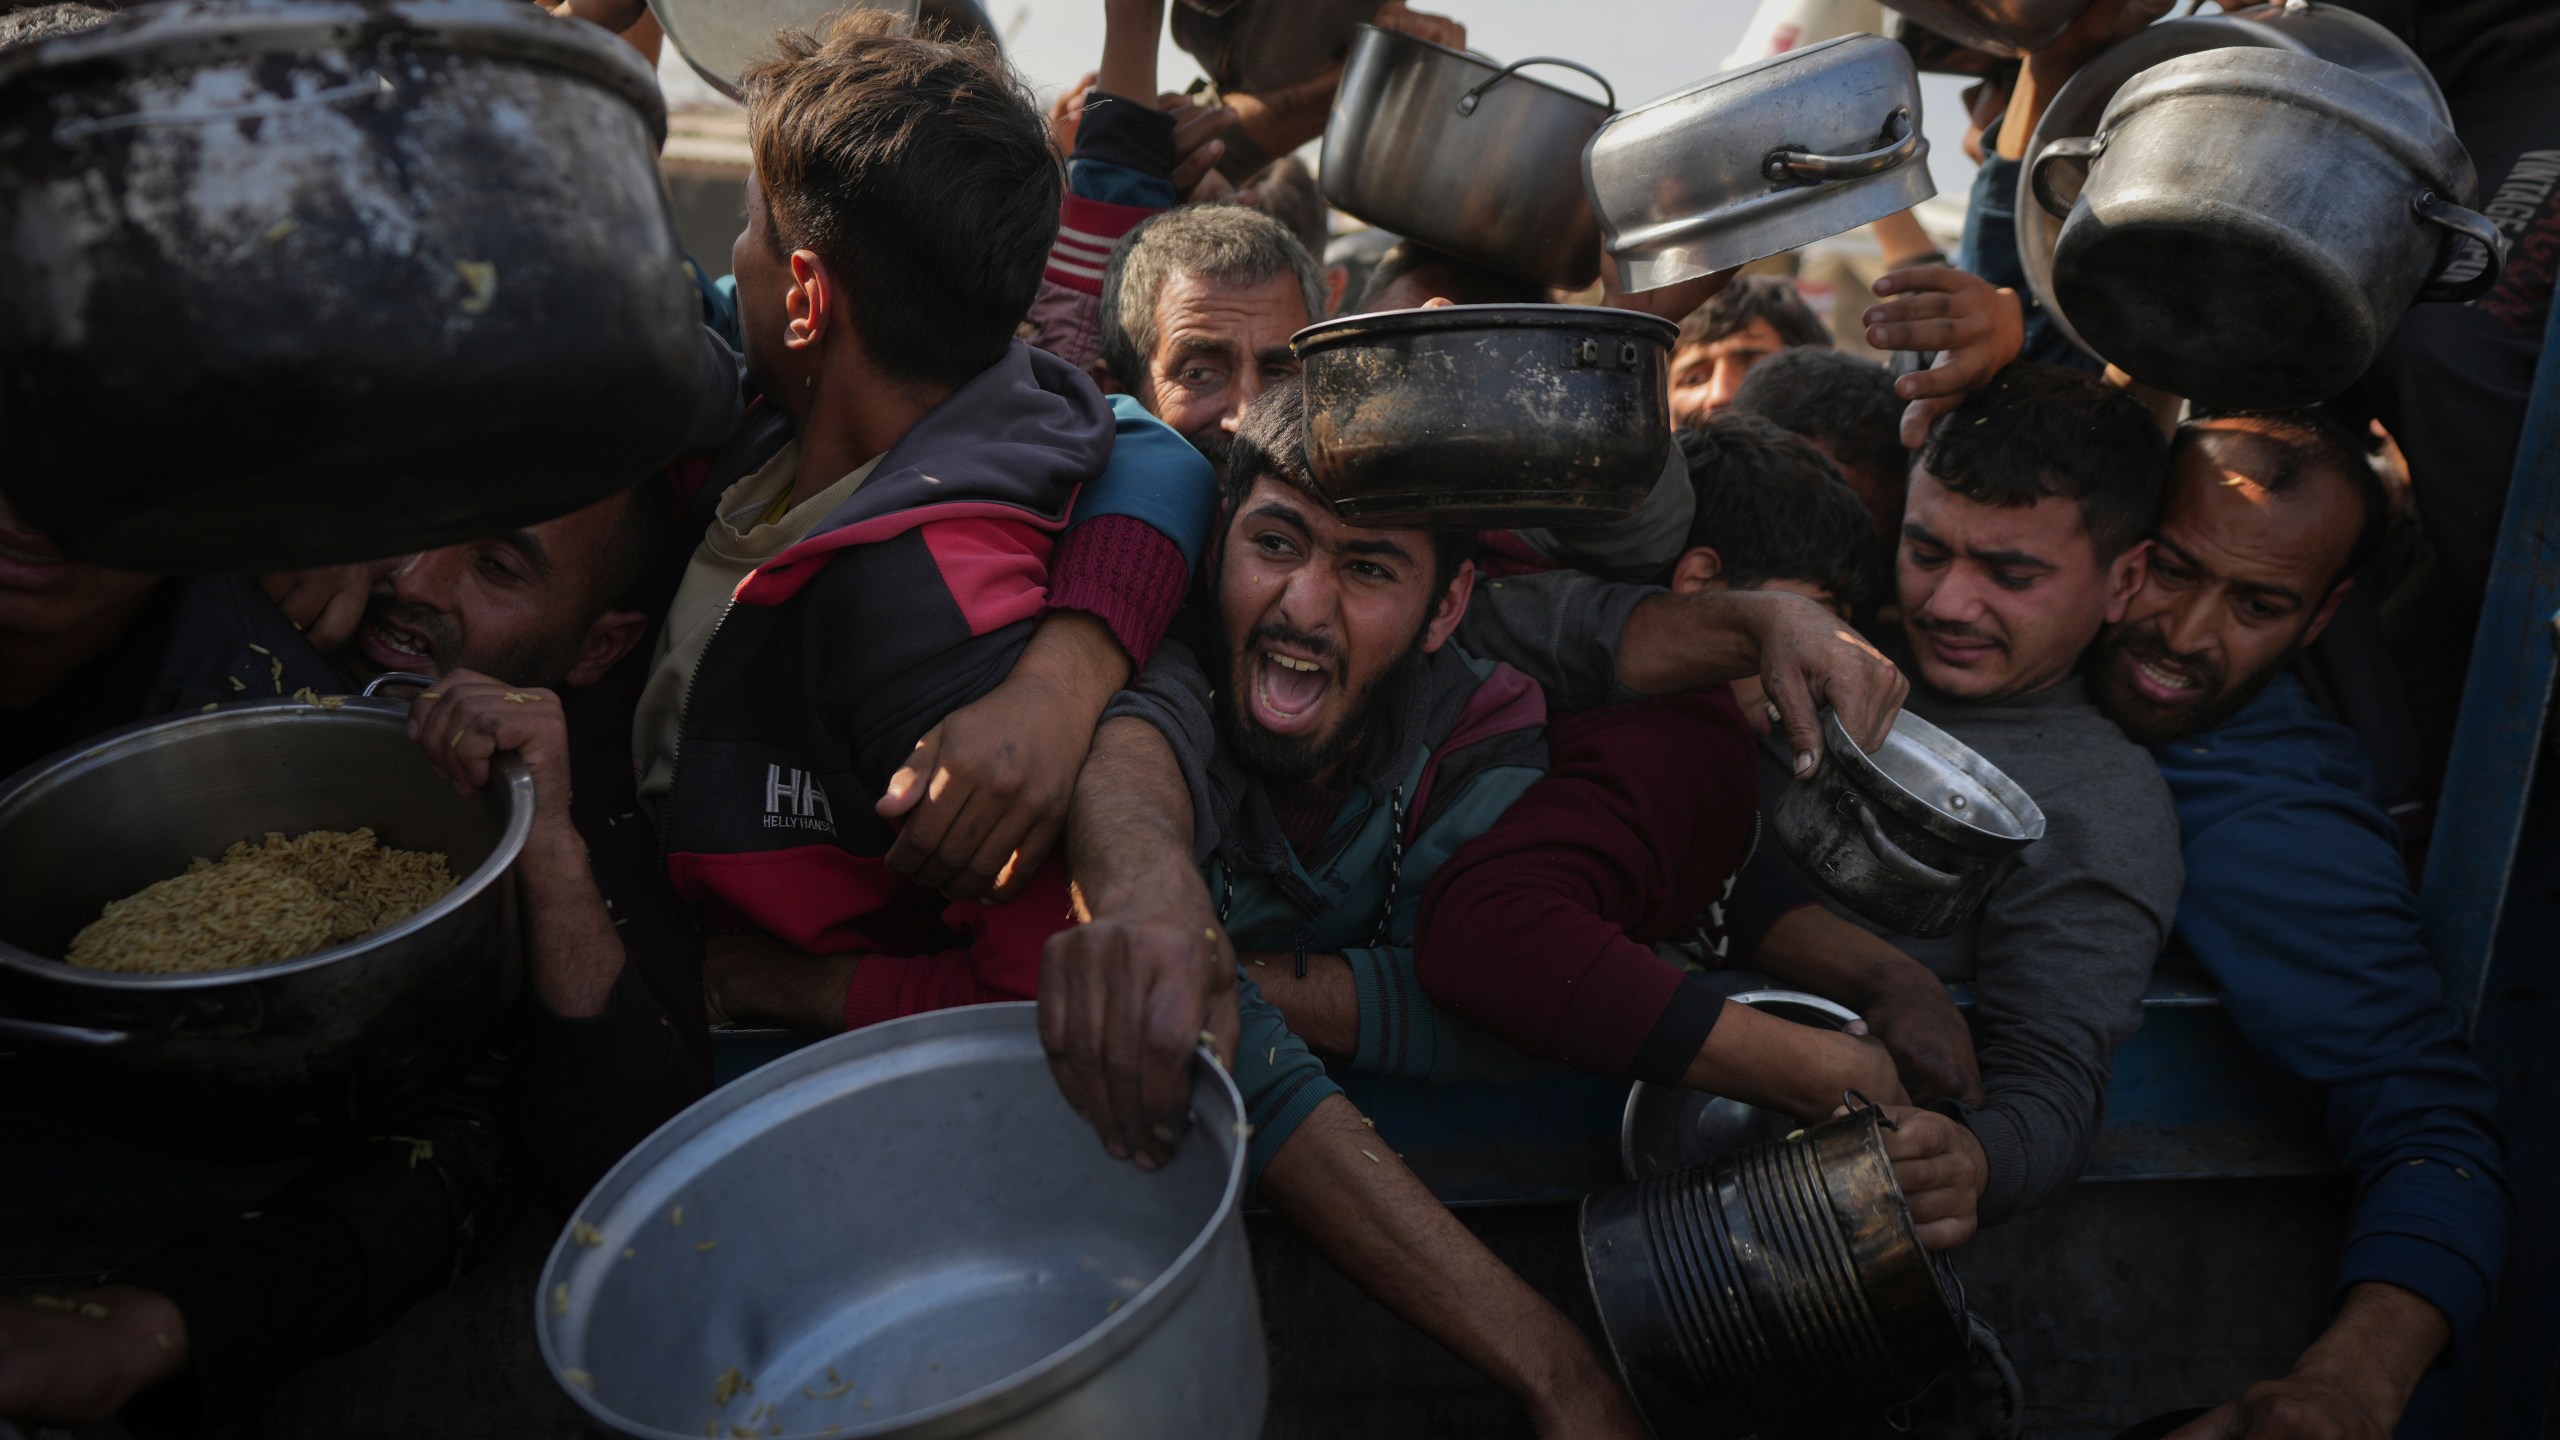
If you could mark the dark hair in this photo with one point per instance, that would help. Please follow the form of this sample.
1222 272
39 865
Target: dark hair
2294 445
1285 191
1271 440
1836 398
1772 508
2039 430
44 22
1755 297
1462 282
637 546
1227 244
921 173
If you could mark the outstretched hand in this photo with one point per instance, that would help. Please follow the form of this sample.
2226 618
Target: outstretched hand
1977 329
1809 659
1126 1001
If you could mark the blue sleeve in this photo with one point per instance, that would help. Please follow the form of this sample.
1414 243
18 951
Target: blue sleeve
1124 154
2302 910
1156 478
1281 1080
1990 250
1119 184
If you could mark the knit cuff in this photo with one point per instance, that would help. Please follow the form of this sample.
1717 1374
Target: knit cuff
1087 229
874 993
1395 1031
1680 1032
1121 571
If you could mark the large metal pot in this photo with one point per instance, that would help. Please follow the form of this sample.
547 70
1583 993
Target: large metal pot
2331 32
1463 155
1672 1127
1502 416
1259 45
293 281
1998 27
905 1231
721 38
1912 836
2300 204
1760 160
270 1059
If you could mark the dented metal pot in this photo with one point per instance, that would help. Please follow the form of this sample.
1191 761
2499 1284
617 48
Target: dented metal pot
285 282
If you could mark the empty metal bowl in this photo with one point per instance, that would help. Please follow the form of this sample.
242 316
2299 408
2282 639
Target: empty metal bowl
1671 1127
721 38
905 1231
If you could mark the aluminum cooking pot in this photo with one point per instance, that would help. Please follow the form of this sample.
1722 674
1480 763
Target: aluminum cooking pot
270 1059
2304 27
1912 836
1463 155
1672 1127
2300 204
337 280
1499 416
721 38
1760 160
904 1231
1259 45
1998 27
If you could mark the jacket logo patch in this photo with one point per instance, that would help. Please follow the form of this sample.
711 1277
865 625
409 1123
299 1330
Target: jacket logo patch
796 800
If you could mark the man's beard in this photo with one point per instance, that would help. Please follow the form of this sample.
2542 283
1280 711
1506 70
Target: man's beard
2146 721
1215 443
1296 759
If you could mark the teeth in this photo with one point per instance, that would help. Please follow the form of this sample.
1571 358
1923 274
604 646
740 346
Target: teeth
1287 662
2165 679
392 640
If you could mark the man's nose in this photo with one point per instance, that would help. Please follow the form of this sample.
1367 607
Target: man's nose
1247 387
1956 598
2187 626
1725 384
429 578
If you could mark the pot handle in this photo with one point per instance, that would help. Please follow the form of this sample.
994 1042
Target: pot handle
1894 856
37 1032
1468 102
1902 142
2434 209
2083 148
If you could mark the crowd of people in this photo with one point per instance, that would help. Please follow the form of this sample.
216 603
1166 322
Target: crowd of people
993 640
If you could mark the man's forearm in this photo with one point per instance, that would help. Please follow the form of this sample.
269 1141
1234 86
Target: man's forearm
1131 827
1075 654
577 953
1678 643
2379 1347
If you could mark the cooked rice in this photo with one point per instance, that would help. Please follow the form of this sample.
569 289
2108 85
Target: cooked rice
263 901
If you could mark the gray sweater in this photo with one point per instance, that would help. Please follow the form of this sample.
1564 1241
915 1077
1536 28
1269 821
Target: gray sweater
2060 953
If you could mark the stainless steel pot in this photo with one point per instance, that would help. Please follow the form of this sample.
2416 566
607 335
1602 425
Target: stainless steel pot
1672 1127
1912 836
2304 27
1463 155
721 38
271 1059
1760 160
1999 27
1504 416
905 1231
340 278
2301 205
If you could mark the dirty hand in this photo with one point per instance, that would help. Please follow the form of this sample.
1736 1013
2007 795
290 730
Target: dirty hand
1942 1172
465 720
2297 1407
326 602
985 792
1977 329
1932 1048
1068 109
1124 999
1196 146
1438 29
1810 658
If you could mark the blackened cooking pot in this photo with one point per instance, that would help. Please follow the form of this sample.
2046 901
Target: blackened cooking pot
294 281
1487 416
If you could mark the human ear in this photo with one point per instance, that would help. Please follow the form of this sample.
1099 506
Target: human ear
2328 610
1696 570
1337 286
2124 579
810 300
611 637
1451 609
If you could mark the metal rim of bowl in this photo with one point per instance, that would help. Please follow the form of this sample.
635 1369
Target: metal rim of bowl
1492 68
104 749
1033 1384
1450 319
2030 815
1638 1090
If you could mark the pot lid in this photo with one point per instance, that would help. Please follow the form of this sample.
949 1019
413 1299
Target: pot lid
1932 779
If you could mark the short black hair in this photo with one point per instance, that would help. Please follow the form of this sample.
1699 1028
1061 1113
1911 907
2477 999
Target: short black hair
2297 444
1271 441
2039 430
1835 398
1464 281
1772 508
1755 297
921 172
648 519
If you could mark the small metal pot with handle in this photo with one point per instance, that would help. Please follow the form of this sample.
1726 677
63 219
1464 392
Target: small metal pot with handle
1911 836
1463 155
2301 204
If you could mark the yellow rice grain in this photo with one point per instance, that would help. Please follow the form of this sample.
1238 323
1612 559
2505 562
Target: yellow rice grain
265 900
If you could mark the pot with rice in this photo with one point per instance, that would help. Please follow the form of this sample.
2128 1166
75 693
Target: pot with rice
248 931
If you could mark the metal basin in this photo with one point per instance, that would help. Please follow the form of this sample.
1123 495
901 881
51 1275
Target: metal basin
1760 160
721 38
1671 1127
1488 415
271 1059
2303 205
905 1231
1912 836
2304 27
1997 27
1458 153
341 279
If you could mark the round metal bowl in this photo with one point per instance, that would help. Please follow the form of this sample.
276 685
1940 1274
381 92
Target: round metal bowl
270 1059
721 38
1488 416
1671 1127
905 1231
1912 836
